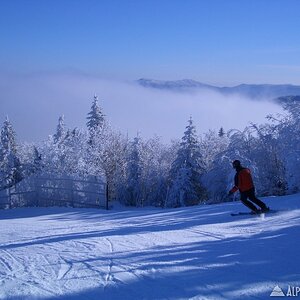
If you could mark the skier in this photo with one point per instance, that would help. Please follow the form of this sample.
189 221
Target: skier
244 183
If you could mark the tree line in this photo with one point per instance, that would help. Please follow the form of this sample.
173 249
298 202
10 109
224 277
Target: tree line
139 172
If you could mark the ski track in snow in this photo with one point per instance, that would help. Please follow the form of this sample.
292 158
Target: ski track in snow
109 276
188 253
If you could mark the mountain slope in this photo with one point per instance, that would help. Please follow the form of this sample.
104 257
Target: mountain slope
187 253
248 90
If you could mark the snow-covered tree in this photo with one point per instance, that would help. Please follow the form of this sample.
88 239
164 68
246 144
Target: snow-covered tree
221 132
98 129
132 191
270 166
219 179
241 144
53 150
96 119
287 134
68 157
111 158
30 157
185 175
8 137
75 147
10 166
60 130
217 165
211 145
156 160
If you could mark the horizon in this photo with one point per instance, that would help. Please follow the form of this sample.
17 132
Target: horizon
233 85
217 42
220 43
128 106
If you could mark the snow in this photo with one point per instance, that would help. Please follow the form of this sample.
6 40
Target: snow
196 252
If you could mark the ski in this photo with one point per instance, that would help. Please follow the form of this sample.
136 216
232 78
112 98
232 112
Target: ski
271 211
241 214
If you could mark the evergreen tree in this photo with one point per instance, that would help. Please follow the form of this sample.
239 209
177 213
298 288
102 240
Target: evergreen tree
37 160
10 165
8 137
96 118
186 171
221 132
60 130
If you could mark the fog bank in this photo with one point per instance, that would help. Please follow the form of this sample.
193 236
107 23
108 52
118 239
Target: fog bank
34 103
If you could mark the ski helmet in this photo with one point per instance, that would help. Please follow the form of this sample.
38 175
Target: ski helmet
236 163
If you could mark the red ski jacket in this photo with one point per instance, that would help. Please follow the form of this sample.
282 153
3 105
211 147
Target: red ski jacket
242 181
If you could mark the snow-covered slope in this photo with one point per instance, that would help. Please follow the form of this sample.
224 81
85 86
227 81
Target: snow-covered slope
187 253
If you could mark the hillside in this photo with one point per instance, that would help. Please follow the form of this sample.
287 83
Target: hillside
255 91
187 253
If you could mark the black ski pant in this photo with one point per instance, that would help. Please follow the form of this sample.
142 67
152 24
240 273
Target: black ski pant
251 195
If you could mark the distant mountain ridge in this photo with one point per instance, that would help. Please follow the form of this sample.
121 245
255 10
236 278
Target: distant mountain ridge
255 91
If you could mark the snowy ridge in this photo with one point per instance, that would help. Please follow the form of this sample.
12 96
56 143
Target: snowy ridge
198 252
249 90
176 84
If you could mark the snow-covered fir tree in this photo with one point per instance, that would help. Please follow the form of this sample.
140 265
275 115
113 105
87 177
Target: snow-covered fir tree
185 175
10 165
221 132
97 130
60 130
37 160
96 119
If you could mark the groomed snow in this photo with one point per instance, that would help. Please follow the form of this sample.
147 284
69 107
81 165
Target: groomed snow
187 253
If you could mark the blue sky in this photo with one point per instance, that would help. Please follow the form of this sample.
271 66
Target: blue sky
55 54
214 41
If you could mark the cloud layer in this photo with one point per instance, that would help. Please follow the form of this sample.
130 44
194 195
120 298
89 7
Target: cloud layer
34 103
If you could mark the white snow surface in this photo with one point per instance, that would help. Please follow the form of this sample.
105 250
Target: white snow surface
199 252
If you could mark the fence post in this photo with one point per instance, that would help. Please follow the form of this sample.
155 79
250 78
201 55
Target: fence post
72 192
37 194
166 199
106 196
9 198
